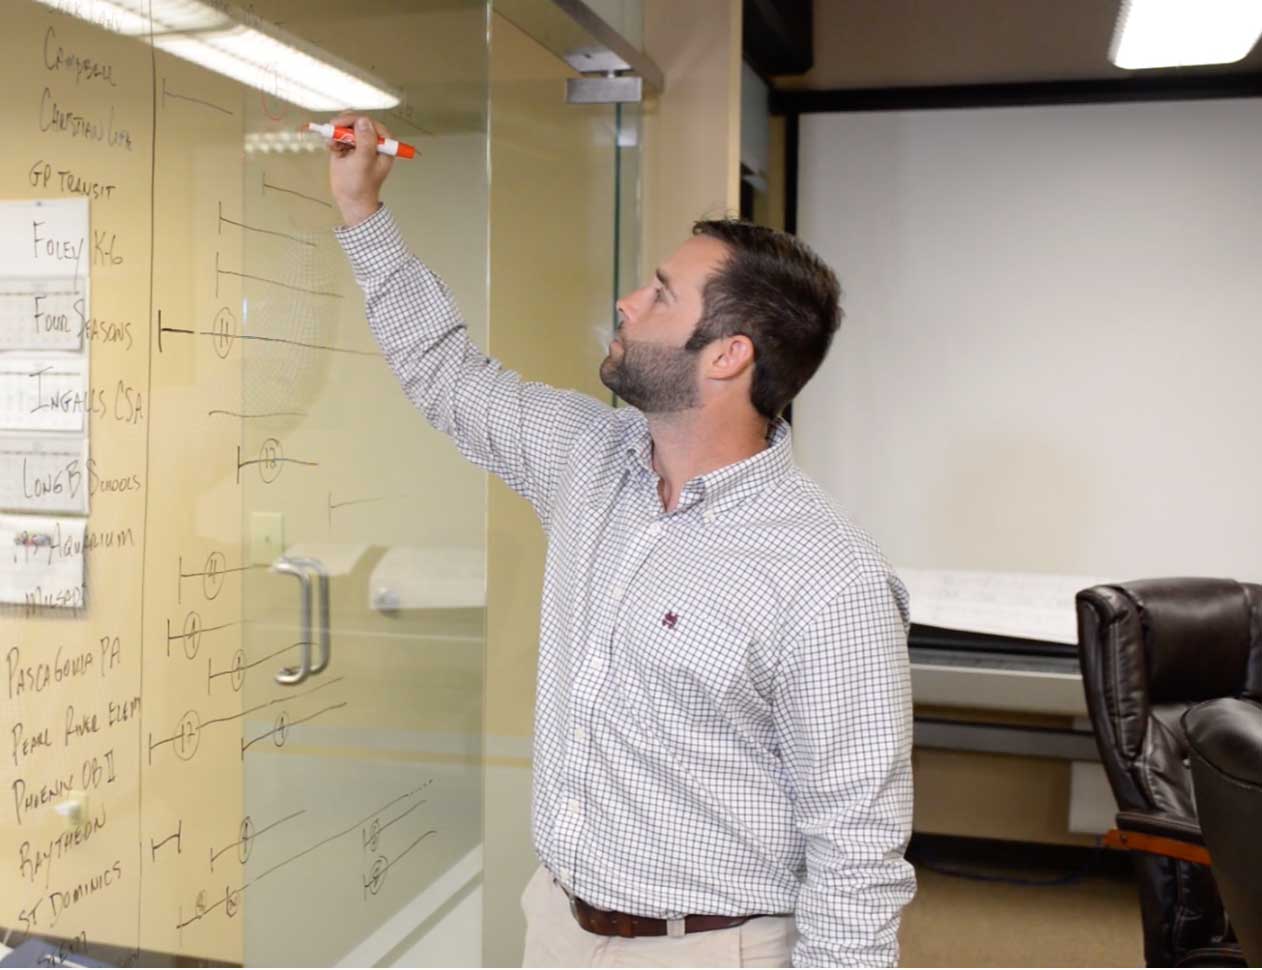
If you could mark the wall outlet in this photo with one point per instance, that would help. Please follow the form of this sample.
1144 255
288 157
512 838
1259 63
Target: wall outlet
267 537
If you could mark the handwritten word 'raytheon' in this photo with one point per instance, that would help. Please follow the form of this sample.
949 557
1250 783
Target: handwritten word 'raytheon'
60 900
57 58
54 117
34 859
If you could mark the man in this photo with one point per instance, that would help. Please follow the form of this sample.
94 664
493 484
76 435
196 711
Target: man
723 718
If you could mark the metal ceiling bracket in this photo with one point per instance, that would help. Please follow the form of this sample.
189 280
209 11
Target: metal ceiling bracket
607 89
607 78
623 55
614 70
595 60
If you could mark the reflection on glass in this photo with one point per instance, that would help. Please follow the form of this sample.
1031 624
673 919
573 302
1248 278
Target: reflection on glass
241 46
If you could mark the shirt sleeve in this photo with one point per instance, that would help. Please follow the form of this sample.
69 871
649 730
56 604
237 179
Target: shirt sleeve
843 717
521 431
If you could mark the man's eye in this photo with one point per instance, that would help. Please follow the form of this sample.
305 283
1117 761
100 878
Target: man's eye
657 295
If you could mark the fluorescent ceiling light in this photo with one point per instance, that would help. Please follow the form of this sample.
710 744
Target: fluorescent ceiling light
241 46
1179 33
283 142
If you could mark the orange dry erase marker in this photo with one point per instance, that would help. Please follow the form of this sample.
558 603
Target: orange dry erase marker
346 136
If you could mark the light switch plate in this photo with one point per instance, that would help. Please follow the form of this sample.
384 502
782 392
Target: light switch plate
267 536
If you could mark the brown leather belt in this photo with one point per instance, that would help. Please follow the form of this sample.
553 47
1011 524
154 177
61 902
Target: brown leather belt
605 922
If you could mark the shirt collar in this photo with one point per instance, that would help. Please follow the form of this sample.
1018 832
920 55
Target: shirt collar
724 488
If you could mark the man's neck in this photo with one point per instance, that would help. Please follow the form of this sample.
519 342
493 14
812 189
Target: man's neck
691 443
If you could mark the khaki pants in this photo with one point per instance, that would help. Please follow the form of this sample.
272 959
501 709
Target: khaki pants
554 939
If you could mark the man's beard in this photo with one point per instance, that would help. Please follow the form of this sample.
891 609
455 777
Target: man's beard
654 378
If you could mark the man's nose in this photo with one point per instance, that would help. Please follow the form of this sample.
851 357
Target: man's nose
627 306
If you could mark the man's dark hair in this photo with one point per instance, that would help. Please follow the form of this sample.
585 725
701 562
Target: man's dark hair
773 289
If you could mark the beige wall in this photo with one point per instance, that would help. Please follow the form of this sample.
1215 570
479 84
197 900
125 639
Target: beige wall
769 206
994 796
692 130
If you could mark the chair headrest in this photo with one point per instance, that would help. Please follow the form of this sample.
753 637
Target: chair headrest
1196 636
1227 734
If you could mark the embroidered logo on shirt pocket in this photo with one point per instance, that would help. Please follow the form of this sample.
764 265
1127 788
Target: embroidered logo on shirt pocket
689 652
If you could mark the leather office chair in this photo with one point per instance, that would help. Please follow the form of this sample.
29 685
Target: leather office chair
1225 738
1149 650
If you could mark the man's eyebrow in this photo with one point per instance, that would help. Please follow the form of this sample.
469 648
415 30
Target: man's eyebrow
665 281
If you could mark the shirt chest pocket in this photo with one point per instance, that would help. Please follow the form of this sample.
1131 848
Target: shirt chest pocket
686 655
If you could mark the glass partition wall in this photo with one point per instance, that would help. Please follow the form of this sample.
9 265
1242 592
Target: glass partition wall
365 776
245 586
555 243
259 489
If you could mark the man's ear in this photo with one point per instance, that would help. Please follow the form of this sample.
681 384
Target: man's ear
732 357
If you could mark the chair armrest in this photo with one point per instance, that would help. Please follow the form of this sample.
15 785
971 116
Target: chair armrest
1164 835
1168 826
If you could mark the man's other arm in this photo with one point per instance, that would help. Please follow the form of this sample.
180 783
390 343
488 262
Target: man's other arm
843 716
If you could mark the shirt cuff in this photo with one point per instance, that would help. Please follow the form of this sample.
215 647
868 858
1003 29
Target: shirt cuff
373 246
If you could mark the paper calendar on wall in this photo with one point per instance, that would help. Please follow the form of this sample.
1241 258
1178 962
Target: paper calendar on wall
45 399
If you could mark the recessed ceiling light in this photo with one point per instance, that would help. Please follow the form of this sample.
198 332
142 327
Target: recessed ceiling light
1180 33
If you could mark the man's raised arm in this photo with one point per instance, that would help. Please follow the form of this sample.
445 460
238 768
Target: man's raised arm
521 431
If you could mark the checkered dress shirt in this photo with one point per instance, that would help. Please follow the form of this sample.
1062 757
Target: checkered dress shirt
723 716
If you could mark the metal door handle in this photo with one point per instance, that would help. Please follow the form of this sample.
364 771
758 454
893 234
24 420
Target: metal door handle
297 568
326 635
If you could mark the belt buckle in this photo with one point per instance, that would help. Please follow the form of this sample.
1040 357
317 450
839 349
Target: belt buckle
676 928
